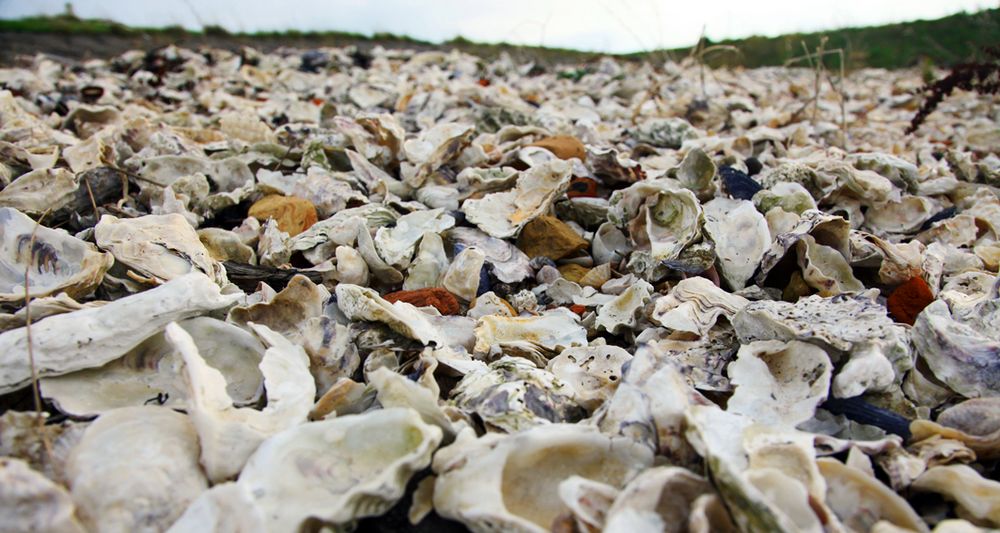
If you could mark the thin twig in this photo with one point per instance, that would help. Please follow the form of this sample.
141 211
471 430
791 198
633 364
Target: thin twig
90 193
35 392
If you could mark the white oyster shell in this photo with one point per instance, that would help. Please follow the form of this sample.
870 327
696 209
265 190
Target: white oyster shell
860 500
591 372
396 244
510 482
228 434
338 470
510 264
658 499
694 305
94 336
102 470
361 303
160 246
533 335
31 502
620 314
779 383
152 372
741 238
59 262
963 357
503 214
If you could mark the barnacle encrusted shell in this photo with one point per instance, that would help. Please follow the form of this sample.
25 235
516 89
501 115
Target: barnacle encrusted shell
58 262
509 482
94 336
103 469
338 470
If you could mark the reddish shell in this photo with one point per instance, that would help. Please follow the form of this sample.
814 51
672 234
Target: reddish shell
484 82
582 187
909 299
578 309
444 301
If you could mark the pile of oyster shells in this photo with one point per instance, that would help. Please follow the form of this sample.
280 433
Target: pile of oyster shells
285 291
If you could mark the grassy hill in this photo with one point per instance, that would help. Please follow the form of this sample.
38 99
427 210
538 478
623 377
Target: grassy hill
943 42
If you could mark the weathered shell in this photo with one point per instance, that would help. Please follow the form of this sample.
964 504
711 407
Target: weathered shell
779 383
977 496
503 214
396 244
660 498
510 264
695 305
156 441
94 336
620 314
860 500
512 394
31 502
552 331
338 470
462 276
229 434
361 303
41 190
427 268
501 482
741 238
959 355
828 230
825 269
160 246
58 261
151 372
591 372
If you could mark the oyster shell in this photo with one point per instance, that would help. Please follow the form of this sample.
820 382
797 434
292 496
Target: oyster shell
338 470
94 336
58 261
532 336
511 481
160 443
228 434
741 238
151 372
163 247
961 356
31 502
695 305
503 214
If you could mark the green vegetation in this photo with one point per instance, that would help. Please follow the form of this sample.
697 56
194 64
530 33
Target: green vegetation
941 42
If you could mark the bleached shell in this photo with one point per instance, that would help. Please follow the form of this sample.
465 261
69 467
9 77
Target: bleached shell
550 332
696 172
977 497
39 191
694 305
59 262
860 500
361 303
396 390
779 383
904 216
673 220
161 246
741 238
609 244
156 441
824 269
828 230
659 498
382 271
351 267
503 214
789 196
587 500
512 394
462 276
31 502
959 355
510 264
434 147
591 372
838 324
224 508
620 314
228 434
511 482
224 245
94 336
701 361
287 310
338 470
429 265
152 372
396 244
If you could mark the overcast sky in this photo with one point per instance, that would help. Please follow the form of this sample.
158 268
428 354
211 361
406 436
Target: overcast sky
600 25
